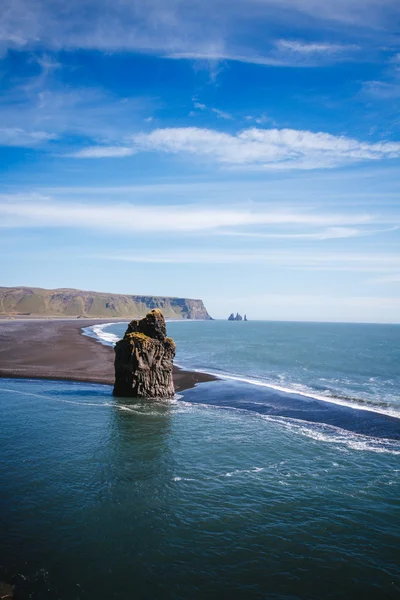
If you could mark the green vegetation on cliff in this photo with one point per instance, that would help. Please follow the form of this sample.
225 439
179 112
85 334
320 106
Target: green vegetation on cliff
21 301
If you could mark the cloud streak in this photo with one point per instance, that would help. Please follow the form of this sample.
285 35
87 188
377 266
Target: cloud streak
29 211
39 108
200 27
103 152
264 148
282 53
329 261
15 136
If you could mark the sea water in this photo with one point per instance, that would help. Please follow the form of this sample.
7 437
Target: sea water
352 364
233 490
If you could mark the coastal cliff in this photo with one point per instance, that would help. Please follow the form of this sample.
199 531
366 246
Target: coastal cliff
144 359
27 301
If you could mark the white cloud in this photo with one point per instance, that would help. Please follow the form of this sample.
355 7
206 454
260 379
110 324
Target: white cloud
37 109
282 53
265 148
103 152
173 26
335 261
300 47
330 233
383 90
222 114
15 136
203 107
33 211
261 119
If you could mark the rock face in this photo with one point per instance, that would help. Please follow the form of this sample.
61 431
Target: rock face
74 303
233 318
144 359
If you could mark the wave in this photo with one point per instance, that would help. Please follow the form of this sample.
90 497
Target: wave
302 390
107 338
98 332
110 339
319 432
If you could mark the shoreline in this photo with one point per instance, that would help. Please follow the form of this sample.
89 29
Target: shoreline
56 349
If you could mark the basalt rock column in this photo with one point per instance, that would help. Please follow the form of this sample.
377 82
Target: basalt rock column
144 359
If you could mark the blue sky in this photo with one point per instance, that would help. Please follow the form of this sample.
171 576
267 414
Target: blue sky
244 152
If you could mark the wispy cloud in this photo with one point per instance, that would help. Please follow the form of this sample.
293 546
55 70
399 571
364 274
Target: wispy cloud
260 119
34 211
103 152
304 48
330 233
38 108
281 53
298 260
173 26
15 136
204 108
265 148
384 90
222 114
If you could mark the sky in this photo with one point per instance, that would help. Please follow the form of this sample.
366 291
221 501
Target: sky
246 152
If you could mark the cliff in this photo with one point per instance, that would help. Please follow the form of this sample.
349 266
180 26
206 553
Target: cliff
21 301
144 359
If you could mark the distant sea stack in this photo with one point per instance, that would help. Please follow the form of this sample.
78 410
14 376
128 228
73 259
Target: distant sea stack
238 317
144 359
27 301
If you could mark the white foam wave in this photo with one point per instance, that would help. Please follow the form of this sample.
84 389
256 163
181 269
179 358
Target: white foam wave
330 434
301 390
109 339
98 332
320 432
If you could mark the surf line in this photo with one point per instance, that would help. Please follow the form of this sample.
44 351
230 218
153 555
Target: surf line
50 399
109 339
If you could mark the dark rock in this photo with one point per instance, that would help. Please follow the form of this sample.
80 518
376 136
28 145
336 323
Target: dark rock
231 317
245 318
237 318
144 359
153 325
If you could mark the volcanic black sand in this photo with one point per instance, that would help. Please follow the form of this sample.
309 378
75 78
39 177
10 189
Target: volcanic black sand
56 349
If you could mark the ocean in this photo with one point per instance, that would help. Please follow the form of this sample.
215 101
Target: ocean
278 481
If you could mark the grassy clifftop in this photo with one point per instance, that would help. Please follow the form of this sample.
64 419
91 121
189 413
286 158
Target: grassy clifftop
74 303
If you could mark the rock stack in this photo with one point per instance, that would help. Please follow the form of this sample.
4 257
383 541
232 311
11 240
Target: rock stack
144 359
233 318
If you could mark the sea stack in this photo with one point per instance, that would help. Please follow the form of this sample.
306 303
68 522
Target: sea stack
144 359
233 318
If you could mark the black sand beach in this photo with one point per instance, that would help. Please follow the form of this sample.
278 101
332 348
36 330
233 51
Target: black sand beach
56 349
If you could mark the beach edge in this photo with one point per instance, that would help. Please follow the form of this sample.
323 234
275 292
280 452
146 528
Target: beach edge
57 349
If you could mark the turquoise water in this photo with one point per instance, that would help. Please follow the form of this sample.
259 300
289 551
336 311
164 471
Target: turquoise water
351 364
233 490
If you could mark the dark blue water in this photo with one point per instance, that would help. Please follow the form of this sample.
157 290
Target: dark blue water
233 491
